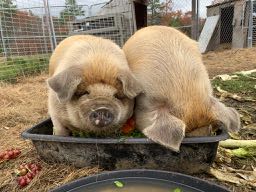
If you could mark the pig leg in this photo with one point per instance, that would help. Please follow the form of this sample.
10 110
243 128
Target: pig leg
59 129
160 126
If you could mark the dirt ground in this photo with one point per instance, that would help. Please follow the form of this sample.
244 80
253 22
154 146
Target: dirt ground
228 61
24 104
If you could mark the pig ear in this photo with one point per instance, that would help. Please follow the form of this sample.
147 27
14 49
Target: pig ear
162 128
131 87
227 115
65 83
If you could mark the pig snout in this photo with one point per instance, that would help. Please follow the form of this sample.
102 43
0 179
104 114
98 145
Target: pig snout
101 117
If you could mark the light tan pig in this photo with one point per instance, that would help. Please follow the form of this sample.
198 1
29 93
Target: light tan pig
90 87
177 96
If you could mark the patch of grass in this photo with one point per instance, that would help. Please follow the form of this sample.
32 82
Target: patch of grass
21 66
253 75
243 84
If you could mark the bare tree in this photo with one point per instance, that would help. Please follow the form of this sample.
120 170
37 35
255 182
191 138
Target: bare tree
167 6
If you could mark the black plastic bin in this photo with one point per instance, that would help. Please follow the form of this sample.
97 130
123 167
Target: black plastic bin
195 156
150 178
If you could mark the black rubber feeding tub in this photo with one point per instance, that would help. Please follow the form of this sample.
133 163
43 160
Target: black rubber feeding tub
195 156
140 181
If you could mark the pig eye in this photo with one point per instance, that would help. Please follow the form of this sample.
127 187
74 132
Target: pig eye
119 96
80 94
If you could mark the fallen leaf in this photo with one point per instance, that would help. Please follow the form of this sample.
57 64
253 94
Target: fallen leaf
224 77
250 126
246 72
225 94
240 178
224 176
234 136
221 90
247 119
247 177
244 174
222 158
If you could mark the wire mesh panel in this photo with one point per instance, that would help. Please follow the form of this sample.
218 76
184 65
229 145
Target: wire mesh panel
254 23
249 22
109 19
24 46
59 14
31 29
226 28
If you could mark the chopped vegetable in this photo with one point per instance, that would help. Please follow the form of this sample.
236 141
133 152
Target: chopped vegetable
119 184
129 126
177 190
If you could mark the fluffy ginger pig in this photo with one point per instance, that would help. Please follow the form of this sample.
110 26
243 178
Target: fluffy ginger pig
177 98
91 87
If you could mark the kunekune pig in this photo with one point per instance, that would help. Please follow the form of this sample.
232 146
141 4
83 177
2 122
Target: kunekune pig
177 97
90 87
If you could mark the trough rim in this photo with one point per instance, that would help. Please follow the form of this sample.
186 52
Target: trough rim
28 134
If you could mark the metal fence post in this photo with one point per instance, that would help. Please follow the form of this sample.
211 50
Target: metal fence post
195 19
49 22
133 17
45 41
90 10
2 38
250 25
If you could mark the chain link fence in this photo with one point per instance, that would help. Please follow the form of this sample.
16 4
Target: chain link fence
31 29
25 45
187 15
253 34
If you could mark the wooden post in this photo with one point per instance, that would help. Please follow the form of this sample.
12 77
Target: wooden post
195 20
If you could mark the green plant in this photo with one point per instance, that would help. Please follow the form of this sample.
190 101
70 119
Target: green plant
242 84
20 66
